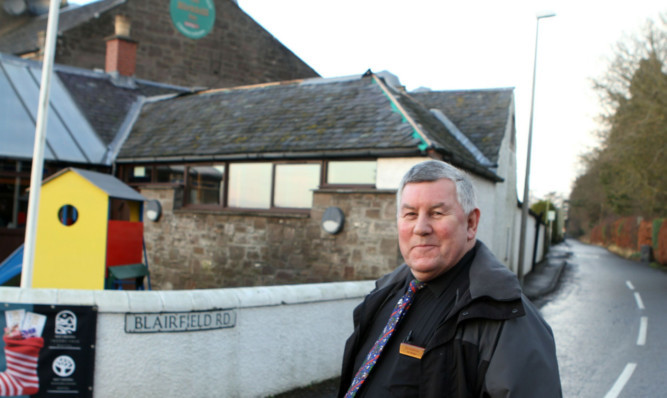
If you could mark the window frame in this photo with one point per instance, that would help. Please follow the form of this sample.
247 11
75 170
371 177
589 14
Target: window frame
126 169
187 187
325 176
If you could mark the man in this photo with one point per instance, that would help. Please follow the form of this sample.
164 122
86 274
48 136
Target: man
464 328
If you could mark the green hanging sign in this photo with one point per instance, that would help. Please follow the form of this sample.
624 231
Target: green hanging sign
193 18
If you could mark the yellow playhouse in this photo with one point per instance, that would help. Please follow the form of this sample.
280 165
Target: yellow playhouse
87 223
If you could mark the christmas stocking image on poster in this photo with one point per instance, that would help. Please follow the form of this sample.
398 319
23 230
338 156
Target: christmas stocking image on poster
23 341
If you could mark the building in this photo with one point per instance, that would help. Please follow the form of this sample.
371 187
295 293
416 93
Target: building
119 50
186 43
245 176
87 112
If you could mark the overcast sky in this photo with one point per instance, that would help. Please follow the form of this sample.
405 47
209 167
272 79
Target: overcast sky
472 44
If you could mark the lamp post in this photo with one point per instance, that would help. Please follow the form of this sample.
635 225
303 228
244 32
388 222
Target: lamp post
40 141
524 205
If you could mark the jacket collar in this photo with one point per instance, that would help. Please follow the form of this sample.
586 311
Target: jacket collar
488 277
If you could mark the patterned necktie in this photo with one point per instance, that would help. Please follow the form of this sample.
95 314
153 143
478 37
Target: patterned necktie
373 355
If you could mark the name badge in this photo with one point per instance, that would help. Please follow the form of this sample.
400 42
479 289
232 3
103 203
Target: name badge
411 350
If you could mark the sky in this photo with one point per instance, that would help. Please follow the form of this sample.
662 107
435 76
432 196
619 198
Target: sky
447 45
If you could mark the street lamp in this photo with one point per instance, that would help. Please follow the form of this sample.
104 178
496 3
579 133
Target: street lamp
524 205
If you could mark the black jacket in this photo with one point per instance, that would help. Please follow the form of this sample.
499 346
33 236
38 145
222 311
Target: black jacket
495 343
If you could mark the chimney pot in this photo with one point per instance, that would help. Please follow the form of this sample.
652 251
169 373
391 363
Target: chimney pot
122 25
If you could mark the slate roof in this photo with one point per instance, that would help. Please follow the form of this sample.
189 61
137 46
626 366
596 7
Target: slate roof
312 118
482 115
87 110
104 101
25 38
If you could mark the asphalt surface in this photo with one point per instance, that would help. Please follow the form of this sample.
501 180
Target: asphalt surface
542 280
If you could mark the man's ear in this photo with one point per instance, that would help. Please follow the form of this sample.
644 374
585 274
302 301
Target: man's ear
473 223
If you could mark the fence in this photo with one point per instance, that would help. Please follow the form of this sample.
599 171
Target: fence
631 233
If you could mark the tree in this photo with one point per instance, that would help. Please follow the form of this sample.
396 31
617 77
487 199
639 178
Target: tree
627 175
542 207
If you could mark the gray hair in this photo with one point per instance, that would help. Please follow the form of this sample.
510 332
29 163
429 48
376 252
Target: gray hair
433 170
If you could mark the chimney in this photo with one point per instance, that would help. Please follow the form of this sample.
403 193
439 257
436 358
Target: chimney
121 50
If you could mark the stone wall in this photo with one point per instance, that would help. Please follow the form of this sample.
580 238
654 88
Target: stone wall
237 51
195 249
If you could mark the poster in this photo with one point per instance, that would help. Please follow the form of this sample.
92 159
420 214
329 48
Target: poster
48 350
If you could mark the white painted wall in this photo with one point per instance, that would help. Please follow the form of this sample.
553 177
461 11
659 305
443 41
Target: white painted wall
486 198
504 235
285 337
530 242
391 170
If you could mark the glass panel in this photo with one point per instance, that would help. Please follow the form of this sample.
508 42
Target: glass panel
57 137
140 174
295 183
250 185
17 133
205 185
170 174
356 172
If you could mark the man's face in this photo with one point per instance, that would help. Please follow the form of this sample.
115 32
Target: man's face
433 231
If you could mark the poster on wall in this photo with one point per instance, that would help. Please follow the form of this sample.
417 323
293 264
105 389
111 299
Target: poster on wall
48 350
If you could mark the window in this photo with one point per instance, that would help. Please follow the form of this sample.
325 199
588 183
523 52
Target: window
250 185
140 174
169 174
205 185
295 183
351 172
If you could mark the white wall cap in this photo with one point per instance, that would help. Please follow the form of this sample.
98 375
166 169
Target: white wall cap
218 298
258 296
190 300
112 300
39 296
10 295
178 300
144 301
76 297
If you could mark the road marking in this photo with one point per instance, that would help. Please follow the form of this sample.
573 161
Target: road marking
629 284
638 299
622 379
643 327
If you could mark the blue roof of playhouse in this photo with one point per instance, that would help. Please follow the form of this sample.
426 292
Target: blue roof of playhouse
113 187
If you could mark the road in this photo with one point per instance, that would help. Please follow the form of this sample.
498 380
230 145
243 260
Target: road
610 323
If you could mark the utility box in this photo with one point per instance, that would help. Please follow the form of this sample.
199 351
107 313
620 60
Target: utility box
87 222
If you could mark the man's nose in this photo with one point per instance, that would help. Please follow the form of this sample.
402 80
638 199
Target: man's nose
423 225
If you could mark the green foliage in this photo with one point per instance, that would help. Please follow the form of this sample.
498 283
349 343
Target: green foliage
627 175
541 207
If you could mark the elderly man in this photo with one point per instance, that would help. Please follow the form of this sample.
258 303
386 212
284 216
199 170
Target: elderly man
451 321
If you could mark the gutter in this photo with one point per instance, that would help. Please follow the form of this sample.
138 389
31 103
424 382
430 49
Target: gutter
274 156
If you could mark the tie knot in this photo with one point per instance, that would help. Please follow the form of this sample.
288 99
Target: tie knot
416 285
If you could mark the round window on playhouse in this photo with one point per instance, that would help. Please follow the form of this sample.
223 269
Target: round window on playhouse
68 215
